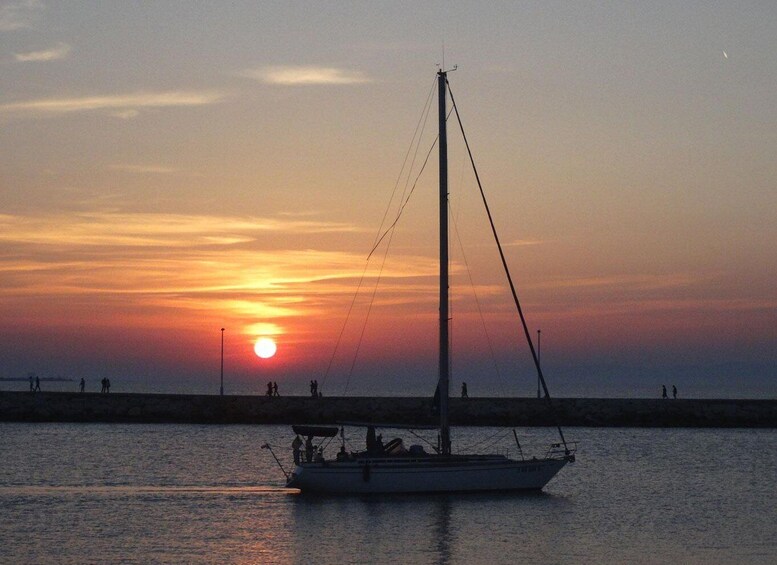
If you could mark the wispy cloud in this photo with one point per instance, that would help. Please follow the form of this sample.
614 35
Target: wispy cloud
119 103
642 282
61 51
145 169
150 230
196 266
523 242
305 75
18 15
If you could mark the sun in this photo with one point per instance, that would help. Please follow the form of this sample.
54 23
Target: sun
265 347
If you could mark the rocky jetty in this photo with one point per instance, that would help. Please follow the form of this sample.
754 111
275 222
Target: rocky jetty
211 409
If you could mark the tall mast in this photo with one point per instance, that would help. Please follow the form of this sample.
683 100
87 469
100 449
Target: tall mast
443 384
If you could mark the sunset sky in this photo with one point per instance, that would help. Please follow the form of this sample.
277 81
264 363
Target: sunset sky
171 168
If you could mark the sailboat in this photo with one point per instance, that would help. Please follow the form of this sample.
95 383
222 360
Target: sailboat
393 469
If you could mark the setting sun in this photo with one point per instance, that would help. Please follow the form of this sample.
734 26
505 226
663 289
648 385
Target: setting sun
265 347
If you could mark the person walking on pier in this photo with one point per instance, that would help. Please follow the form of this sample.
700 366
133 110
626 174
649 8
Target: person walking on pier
102 383
37 384
663 391
32 385
82 385
269 388
107 385
674 392
275 389
464 393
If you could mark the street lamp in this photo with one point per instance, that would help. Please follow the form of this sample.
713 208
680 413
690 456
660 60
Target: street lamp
222 362
539 334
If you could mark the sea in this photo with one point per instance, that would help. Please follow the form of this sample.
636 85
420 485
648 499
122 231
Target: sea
148 493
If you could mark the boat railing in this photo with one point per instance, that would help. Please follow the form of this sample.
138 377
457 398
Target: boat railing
562 451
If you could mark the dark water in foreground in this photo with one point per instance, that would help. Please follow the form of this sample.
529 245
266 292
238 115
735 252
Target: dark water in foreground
101 493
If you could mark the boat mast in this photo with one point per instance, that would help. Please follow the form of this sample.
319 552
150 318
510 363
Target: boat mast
444 368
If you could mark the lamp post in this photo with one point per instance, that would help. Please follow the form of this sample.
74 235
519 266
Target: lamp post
222 362
539 334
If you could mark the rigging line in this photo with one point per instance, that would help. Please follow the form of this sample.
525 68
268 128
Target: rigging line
499 432
345 323
390 230
367 316
388 247
422 119
507 273
410 169
423 439
412 190
500 378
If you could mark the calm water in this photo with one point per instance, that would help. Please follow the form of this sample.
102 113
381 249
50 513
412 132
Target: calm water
97 493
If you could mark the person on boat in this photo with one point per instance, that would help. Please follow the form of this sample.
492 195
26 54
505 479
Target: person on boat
296 447
309 449
663 391
320 455
464 393
674 392
342 455
379 450
371 441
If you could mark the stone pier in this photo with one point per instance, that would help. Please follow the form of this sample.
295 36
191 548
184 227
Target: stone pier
212 409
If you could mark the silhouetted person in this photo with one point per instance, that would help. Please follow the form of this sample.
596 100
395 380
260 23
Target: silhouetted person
296 447
315 387
663 391
309 449
37 384
82 385
342 455
107 384
269 388
674 392
275 389
464 393
102 383
379 444
32 385
312 389
371 441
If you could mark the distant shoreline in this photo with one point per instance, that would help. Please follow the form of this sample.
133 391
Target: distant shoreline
17 406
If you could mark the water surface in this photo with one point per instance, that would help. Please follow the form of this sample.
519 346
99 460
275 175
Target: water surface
96 493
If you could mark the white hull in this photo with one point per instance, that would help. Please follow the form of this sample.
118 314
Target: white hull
429 474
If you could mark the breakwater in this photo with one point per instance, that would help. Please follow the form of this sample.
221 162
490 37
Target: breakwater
212 409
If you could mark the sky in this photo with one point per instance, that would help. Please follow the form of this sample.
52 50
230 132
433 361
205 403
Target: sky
169 169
